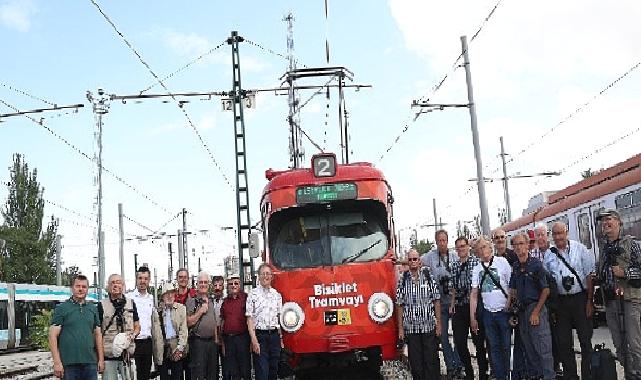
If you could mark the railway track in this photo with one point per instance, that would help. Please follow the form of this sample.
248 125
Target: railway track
26 364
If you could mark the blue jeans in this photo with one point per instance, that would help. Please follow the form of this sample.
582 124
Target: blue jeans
266 364
520 364
498 332
80 372
452 360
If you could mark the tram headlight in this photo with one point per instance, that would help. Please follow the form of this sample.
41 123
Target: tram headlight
292 317
380 307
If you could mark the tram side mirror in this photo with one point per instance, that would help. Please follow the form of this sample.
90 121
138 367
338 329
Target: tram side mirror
254 245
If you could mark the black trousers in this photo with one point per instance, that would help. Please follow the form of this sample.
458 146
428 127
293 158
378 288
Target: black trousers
203 359
171 370
143 355
571 313
461 329
237 356
422 352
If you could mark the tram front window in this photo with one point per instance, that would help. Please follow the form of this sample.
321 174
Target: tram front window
335 238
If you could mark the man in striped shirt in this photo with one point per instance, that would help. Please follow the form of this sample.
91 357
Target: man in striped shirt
418 310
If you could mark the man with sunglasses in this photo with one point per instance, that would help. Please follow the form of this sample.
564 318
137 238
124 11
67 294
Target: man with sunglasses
499 237
235 342
418 316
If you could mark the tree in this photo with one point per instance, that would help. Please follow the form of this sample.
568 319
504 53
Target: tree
423 246
68 275
29 252
589 173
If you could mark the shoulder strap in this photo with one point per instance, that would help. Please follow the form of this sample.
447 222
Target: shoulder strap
161 319
555 250
496 283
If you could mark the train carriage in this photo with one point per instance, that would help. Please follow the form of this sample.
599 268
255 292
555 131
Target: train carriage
618 187
329 236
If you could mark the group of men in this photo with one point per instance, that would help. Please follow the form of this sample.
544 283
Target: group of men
193 334
530 297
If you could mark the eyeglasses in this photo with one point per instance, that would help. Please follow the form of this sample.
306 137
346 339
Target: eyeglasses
413 259
499 237
235 283
461 246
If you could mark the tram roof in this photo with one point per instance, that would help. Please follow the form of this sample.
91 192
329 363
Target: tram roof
607 181
357 171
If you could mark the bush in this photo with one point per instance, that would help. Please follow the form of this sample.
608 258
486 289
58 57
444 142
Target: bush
39 334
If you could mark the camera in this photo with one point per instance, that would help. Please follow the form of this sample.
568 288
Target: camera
444 282
198 302
612 252
567 282
513 312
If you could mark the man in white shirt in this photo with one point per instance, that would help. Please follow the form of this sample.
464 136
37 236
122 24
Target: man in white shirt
491 278
572 266
145 306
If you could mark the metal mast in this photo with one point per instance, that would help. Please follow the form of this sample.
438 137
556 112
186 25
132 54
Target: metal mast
296 151
243 224
100 107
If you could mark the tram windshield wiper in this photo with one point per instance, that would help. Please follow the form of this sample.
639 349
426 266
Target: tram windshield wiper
352 258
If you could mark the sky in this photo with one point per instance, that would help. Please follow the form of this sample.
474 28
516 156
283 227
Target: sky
539 70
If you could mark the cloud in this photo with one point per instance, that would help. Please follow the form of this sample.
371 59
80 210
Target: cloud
17 14
532 66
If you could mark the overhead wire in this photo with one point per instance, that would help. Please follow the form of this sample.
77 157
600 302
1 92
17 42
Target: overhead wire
162 84
271 51
577 111
186 66
437 86
138 224
86 156
25 93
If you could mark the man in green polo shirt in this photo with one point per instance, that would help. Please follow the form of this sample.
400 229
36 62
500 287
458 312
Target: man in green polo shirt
75 339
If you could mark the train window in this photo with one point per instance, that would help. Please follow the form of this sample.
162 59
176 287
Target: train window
598 232
585 236
631 218
327 237
636 198
622 201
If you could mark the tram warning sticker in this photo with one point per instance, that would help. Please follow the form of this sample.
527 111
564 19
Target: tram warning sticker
338 317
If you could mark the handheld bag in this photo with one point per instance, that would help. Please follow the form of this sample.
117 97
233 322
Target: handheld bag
603 363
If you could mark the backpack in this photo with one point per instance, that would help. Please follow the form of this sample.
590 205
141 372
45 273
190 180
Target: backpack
603 363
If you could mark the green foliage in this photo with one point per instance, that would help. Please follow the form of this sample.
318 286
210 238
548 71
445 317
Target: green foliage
423 246
29 252
68 275
39 329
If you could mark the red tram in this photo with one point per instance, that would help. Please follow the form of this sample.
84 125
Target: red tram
329 237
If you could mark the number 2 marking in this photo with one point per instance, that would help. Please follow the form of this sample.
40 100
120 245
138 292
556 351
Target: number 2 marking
324 165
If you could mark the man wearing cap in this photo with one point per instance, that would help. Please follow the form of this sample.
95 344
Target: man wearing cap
120 325
235 340
145 306
619 272
173 321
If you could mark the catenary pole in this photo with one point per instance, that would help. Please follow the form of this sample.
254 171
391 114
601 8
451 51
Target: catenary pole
506 190
58 261
121 242
485 218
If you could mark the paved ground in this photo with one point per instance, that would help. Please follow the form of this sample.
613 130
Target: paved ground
394 370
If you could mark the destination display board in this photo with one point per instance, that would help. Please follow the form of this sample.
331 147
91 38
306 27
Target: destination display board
326 193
